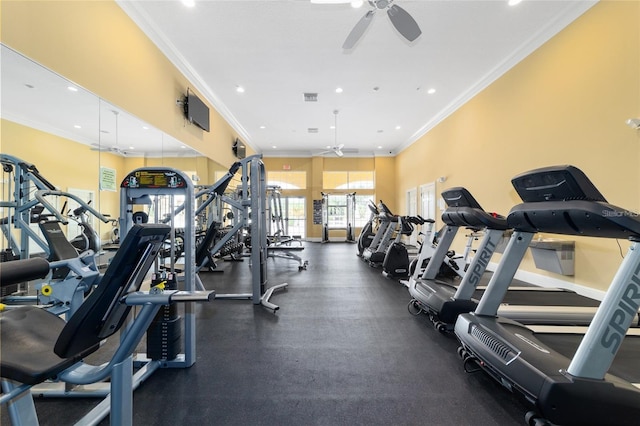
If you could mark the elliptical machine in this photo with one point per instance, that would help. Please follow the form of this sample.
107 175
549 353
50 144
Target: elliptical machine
396 260
367 233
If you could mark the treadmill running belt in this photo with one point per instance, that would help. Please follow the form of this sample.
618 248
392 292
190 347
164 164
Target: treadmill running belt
544 298
625 364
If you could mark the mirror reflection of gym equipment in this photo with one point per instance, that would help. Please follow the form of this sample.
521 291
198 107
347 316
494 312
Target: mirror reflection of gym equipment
339 214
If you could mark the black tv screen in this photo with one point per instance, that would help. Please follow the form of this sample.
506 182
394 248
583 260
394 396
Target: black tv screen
239 149
196 111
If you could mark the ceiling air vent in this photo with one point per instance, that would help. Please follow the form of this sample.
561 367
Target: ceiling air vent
311 97
312 130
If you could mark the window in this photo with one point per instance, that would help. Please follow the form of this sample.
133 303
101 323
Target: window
363 213
287 179
348 180
295 216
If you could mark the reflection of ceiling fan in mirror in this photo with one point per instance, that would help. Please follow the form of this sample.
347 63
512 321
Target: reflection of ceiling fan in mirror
112 149
400 18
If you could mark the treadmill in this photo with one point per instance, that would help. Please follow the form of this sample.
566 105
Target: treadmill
589 386
443 301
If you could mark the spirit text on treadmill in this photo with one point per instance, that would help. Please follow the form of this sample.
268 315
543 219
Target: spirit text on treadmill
617 213
481 265
622 316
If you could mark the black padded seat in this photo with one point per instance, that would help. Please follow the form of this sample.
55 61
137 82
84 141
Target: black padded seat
28 335
37 345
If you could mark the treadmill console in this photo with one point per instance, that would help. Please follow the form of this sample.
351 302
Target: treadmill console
555 183
460 197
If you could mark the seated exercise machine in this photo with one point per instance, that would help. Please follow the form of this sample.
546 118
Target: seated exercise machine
25 194
250 209
280 244
585 384
39 346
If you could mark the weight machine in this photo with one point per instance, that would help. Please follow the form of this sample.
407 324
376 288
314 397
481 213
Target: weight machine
350 216
279 244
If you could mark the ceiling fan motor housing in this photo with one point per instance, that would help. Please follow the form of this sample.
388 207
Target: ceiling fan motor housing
380 4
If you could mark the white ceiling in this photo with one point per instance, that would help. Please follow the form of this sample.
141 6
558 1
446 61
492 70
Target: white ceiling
279 49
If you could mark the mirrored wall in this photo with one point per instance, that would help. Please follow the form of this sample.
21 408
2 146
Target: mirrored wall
78 142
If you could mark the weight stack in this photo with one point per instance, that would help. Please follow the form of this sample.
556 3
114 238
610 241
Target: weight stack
164 335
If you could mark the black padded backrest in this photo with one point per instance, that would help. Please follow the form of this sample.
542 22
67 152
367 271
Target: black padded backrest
459 197
202 250
562 200
60 248
223 183
555 183
17 271
103 313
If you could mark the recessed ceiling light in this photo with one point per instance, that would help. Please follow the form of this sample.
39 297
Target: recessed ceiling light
73 89
332 127
189 3
239 89
514 2
380 147
183 147
145 127
263 127
398 127
356 3
77 126
131 147
338 89
274 147
431 91
328 146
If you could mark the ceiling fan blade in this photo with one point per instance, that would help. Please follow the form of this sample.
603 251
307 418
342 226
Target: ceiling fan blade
404 23
339 147
357 31
339 153
330 1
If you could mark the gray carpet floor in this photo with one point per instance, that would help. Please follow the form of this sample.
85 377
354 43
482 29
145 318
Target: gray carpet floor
342 350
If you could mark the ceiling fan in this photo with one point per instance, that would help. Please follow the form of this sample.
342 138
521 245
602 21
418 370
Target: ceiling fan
400 18
336 149
112 149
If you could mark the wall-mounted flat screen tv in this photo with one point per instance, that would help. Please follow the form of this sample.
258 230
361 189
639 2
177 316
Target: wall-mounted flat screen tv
239 149
196 111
